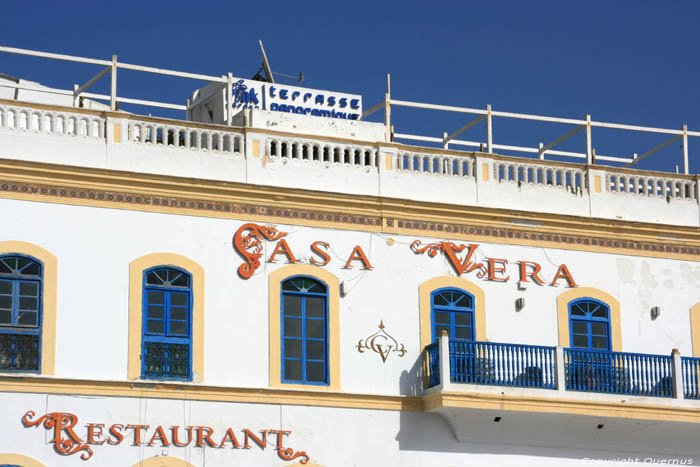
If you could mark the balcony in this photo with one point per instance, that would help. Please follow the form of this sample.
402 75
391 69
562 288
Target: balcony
560 369
557 397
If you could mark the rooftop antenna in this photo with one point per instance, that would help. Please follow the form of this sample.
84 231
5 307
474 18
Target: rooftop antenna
266 64
268 77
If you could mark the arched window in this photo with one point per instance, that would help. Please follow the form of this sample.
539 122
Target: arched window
167 324
589 320
452 310
20 313
304 331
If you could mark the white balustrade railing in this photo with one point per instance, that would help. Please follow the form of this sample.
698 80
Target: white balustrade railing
439 164
536 174
652 186
51 122
163 135
321 152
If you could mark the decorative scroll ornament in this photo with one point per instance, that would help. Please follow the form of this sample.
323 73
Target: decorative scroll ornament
248 243
288 454
382 343
60 423
450 250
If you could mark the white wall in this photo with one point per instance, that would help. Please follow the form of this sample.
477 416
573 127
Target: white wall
330 436
94 247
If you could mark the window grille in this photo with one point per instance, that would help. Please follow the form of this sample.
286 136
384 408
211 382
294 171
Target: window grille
167 324
20 313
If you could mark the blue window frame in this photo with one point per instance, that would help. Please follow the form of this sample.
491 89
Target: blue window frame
304 331
452 310
589 322
166 351
20 313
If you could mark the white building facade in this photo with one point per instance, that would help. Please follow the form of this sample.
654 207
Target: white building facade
299 290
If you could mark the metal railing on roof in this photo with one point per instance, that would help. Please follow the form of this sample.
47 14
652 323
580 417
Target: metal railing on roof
487 116
110 68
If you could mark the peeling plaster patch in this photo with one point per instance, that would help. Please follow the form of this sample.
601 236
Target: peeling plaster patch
689 274
625 270
648 280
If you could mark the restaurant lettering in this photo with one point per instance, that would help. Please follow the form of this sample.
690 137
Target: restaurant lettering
65 436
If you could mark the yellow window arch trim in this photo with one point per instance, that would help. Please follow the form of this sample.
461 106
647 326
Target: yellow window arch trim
50 287
136 269
19 459
695 328
565 298
276 278
163 461
427 287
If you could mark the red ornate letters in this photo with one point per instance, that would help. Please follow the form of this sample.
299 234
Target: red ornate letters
55 421
495 268
66 441
450 250
248 243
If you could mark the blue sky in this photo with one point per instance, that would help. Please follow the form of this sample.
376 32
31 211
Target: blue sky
635 62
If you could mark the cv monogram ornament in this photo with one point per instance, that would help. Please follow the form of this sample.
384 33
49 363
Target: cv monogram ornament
382 343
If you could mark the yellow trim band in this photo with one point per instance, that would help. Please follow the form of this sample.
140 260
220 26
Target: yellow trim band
19 459
387 162
52 183
307 395
695 328
136 269
173 391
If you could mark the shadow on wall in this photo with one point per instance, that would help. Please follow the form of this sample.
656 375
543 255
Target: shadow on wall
411 381
502 433
430 432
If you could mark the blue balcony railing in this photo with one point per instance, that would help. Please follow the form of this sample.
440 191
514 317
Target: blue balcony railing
618 373
691 377
492 363
433 355
532 366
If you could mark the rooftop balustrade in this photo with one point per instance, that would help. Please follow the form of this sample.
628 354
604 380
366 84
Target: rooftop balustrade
561 369
261 156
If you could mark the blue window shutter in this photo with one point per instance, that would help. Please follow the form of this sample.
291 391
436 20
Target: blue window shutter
304 331
452 310
589 324
166 349
21 304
